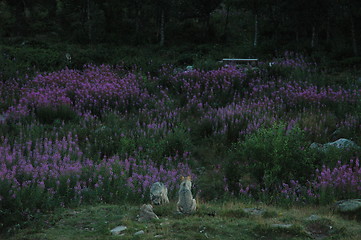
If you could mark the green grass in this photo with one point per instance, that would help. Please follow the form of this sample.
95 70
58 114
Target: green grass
219 220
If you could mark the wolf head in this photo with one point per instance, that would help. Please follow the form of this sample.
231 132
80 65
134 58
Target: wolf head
186 182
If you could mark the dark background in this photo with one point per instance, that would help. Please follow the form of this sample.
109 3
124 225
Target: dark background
184 32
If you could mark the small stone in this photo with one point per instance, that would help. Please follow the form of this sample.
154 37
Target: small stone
254 211
139 233
313 218
158 236
164 223
118 230
189 68
282 226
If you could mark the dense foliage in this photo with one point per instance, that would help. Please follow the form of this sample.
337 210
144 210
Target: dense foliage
106 133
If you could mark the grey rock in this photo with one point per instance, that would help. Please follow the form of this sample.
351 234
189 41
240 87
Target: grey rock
118 230
316 145
313 218
254 211
341 143
2 118
281 226
348 206
164 223
189 68
139 233
146 213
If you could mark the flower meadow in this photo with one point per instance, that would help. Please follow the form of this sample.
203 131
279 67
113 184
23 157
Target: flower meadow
106 133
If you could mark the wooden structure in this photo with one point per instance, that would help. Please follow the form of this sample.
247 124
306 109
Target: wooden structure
240 60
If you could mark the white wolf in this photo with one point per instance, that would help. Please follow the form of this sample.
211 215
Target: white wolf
159 194
186 204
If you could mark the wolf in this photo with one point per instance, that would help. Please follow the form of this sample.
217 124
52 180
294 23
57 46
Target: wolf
159 194
186 204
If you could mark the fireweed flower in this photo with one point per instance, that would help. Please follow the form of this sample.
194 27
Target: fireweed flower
227 99
47 164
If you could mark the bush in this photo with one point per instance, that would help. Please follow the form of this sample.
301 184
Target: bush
49 114
272 156
175 143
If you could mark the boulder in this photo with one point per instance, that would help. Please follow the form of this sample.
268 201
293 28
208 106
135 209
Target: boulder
348 206
341 143
146 213
139 233
281 226
118 230
254 211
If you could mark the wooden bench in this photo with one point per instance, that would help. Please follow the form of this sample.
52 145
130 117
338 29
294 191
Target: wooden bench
239 60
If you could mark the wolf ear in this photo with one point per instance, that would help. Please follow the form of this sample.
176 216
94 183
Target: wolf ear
189 178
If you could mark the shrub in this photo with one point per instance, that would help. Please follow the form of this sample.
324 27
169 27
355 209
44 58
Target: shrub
202 129
178 141
48 114
159 148
271 156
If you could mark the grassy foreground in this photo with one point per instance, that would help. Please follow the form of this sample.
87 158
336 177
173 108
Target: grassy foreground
218 220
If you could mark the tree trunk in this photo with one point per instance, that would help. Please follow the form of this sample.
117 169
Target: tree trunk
52 12
255 30
27 12
208 27
313 38
137 21
226 23
328 30
353 35
21 23
162 23
89 22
